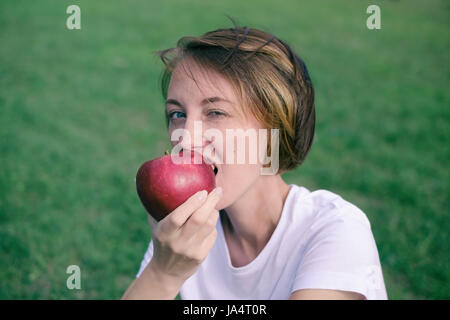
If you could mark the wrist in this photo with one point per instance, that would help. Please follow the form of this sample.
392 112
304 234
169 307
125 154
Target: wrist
169 283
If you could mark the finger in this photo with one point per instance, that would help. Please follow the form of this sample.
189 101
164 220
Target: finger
208 227
200 216
201 250
209 241
178 217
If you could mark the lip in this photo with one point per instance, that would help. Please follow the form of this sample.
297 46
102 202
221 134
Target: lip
213 167
211 161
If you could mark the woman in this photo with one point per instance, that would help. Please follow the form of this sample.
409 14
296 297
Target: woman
271 240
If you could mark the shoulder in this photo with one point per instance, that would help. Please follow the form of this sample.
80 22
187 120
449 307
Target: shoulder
331 208
323 207
322 216
338 250
334 230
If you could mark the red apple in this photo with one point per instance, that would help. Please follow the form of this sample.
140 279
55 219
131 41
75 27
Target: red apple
163 185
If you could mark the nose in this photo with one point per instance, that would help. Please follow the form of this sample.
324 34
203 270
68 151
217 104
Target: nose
192 137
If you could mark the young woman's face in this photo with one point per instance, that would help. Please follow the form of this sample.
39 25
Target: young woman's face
210 102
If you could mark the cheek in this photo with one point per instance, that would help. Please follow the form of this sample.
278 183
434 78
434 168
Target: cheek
175 133
170 131
235 180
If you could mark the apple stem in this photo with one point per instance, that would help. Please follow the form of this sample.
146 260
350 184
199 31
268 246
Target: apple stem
166 152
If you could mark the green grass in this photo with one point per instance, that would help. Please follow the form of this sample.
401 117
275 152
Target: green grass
81 110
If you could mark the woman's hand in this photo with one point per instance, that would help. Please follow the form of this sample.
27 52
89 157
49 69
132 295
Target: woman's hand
183 239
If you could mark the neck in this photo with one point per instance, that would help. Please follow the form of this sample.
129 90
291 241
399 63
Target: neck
251 220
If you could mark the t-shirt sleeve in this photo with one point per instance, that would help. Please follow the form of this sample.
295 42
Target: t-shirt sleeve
147 257
341 254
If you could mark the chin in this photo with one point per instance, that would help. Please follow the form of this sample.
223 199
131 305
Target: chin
221 204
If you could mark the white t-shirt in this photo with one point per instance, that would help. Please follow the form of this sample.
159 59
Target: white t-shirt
321 242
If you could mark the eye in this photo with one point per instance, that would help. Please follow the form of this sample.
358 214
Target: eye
216 114
176 114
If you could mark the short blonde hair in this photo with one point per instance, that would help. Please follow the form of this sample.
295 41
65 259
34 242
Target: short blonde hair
272 81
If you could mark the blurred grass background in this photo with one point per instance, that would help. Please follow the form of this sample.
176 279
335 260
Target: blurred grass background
80 110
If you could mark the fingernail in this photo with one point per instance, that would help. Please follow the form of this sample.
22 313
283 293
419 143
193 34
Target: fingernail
202 195
218 191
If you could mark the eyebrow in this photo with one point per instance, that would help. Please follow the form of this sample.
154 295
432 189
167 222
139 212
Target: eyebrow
204 101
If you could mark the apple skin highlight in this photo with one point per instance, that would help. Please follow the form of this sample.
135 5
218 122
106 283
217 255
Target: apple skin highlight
163 185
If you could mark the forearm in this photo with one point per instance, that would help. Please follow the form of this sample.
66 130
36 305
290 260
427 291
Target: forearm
152 286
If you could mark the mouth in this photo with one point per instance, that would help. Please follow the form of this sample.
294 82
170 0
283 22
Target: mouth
215 169
211 160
